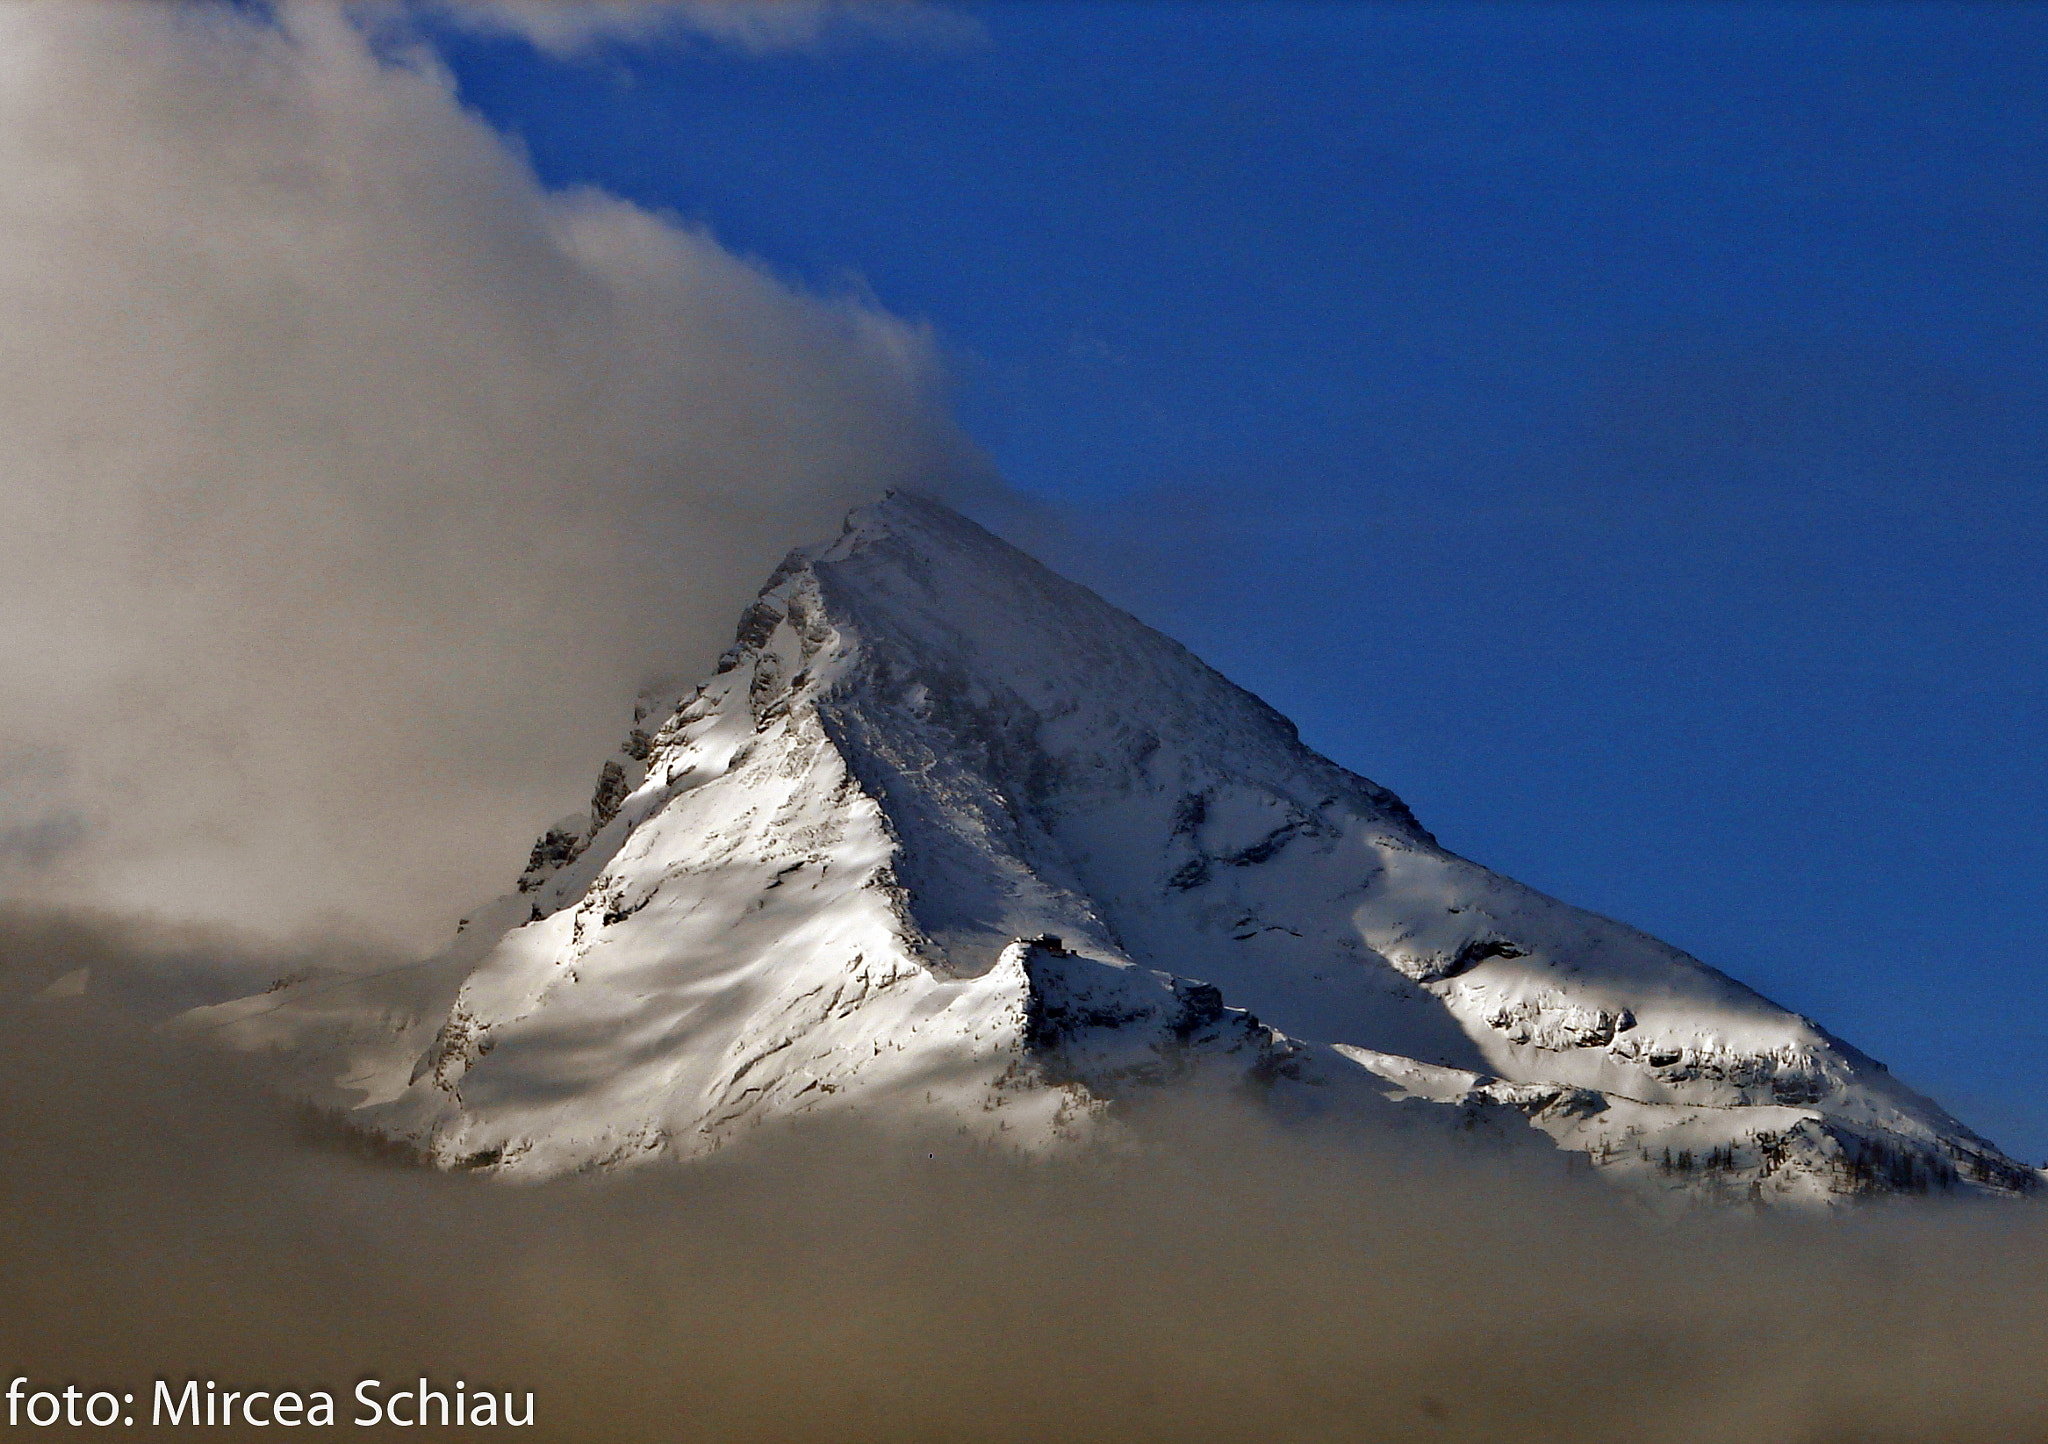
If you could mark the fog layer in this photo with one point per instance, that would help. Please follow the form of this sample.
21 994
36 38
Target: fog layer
158 1221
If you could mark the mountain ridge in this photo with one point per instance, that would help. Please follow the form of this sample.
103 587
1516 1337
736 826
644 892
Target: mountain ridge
947 836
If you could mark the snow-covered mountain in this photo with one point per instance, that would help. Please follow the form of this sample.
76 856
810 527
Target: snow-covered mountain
947 837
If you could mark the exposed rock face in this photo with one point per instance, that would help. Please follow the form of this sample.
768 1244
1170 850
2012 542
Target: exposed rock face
948 837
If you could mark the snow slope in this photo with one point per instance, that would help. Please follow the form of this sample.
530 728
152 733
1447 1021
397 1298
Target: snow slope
950 840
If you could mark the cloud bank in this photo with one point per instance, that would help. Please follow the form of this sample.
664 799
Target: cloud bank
158 1221
352 481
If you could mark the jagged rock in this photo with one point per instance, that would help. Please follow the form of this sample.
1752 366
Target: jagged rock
611 791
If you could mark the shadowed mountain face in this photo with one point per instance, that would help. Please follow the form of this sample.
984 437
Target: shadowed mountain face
950 842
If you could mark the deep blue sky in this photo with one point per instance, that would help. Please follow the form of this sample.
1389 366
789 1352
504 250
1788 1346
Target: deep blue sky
1618 429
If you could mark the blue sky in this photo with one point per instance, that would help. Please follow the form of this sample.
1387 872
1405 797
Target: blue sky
1618 429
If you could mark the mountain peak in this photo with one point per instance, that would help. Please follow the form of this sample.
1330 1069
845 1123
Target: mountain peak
948 838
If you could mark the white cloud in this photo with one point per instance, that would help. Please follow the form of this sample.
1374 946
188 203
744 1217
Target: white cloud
565 27
349 481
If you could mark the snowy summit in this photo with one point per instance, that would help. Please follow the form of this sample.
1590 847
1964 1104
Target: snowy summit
947 838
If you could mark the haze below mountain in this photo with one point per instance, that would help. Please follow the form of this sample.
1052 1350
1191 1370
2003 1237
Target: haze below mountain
158 1217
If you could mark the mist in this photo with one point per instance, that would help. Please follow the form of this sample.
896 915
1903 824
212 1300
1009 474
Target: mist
162 1220
354 481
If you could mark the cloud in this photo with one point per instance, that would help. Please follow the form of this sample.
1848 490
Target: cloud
157 1220
569 27
351 481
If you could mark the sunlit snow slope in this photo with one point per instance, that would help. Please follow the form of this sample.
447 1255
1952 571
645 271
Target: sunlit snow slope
950 840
